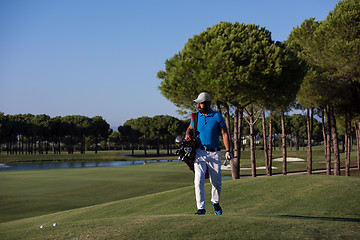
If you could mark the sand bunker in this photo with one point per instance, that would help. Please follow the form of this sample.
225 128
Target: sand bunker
289 159
228 167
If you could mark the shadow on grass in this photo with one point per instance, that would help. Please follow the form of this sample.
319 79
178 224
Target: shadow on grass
336 219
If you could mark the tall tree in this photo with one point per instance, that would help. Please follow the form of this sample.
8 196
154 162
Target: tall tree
287 76
297 128
337 41
41 129
253 115
338 49
143 126
57 132
115 138
70 132
82 130
235 63
310 94
173 129
99 130
129 135
331 48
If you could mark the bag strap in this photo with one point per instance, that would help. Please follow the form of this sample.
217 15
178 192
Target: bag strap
194 117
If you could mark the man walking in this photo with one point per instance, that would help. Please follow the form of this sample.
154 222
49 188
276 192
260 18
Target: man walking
208 155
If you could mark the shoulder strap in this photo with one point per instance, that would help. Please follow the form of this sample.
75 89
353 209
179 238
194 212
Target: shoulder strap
194 117
195 120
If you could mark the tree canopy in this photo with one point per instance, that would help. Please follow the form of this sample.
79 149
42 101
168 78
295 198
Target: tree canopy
239 65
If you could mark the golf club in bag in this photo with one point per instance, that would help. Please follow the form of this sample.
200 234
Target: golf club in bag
187 150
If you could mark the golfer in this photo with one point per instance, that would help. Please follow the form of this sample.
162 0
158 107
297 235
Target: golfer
208 155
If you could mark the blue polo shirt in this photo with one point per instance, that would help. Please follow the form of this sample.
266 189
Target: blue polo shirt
208 128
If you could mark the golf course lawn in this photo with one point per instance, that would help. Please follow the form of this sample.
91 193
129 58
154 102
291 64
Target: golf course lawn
32 193
156 201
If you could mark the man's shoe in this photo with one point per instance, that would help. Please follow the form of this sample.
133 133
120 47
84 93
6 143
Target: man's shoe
200 212
217 208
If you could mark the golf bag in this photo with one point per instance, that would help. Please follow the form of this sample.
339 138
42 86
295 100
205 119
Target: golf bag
187 154
187 151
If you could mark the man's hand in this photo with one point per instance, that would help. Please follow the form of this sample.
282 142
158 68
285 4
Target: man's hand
228 157
188 138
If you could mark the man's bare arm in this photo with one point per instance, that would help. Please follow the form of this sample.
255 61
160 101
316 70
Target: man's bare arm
226 139
188 136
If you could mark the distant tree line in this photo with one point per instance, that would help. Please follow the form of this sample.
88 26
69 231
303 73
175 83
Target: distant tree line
159 132
38 134
31 134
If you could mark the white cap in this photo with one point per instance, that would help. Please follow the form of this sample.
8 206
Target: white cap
203 97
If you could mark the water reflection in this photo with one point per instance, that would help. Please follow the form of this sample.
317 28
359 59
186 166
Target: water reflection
64 165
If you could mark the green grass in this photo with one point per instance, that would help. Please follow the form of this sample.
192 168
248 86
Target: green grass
88 156
156 201
318 158
278 207
31 193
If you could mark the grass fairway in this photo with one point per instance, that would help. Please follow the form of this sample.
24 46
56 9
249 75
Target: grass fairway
278 207
89 156
31 193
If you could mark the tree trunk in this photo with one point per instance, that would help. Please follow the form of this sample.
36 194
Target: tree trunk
266 152
283 136
40 146
270 144
158 146
357 132
82 147
309 121
96 145
297 142
47 147
235 162
347 144
324 137
250 121
252 113
227 122
328 143
34 144
22 144
8 149
335 142
168 146
252 147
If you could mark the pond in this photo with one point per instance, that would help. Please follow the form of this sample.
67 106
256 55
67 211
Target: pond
64 165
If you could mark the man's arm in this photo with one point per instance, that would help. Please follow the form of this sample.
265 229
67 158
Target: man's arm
226 139
225 136
188 136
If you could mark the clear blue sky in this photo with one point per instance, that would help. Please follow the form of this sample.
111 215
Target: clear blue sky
100 58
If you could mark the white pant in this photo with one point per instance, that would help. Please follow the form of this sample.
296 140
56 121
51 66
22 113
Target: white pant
211 161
